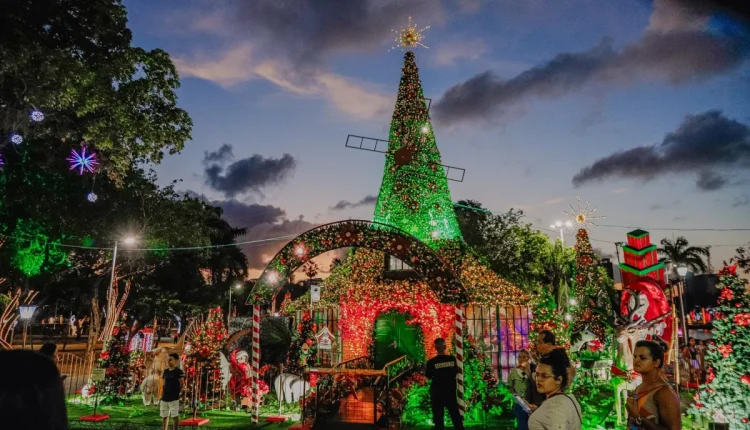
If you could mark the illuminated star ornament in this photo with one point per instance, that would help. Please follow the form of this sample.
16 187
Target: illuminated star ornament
82 161
583 216
409 37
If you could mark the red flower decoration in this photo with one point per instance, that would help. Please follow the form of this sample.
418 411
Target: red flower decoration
728 270
726 294
699 405
104 355
745 379
742 319
725 350
115 331
746 420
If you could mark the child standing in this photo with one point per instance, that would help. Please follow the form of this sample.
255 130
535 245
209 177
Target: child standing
170 398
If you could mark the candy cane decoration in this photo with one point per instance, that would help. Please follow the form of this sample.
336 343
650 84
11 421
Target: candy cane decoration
256 363
458 348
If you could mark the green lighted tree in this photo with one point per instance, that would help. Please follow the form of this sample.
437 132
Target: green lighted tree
546 316
725 398
414 195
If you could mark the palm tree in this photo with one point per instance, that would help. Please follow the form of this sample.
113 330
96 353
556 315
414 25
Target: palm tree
680 253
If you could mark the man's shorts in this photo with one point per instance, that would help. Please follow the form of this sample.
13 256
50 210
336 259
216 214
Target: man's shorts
169 409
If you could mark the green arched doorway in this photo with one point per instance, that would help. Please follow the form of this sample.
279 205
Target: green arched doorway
394 336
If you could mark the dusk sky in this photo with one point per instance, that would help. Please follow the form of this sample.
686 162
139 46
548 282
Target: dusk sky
641 108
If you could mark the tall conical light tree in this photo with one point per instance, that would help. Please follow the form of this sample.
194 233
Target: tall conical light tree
414 195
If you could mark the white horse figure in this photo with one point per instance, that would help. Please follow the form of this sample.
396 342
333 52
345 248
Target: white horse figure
580 338
294 387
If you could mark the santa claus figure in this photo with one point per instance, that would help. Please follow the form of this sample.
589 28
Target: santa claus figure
239 382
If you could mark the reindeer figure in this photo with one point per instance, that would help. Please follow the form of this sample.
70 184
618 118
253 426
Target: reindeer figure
627 335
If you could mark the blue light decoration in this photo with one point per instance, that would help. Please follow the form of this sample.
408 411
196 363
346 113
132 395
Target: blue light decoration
82 161
37 116
91 197
16 138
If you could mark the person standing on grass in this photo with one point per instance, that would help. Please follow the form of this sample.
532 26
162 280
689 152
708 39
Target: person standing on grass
170 397
442 370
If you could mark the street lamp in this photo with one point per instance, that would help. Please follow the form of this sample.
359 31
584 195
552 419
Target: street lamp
26 313
682 271
562 226
129 240
237 286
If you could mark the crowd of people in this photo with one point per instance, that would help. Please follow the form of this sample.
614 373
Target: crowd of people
543 404
32 395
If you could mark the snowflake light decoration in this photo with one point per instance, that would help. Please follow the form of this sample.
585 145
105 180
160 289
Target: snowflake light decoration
16 138
82 161
36 116
409 37
583 216
91 197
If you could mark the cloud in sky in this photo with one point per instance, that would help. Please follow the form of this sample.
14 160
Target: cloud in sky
290 46
680 46
703 144
224 153
447 54
345 204
743 200
251 174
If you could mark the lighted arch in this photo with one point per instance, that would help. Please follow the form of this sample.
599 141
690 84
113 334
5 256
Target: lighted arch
364 234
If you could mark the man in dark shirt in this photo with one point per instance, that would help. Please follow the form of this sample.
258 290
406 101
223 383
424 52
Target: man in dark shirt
545 342
170 397
442 370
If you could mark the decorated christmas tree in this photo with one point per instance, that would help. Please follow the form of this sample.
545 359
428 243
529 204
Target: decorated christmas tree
414 194
725 398
592 306
115 359
302 349
202 360
546 316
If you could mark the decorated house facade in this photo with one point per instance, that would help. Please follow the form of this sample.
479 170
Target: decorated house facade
408 271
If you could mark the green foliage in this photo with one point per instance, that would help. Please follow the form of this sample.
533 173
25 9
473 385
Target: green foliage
680 252
73 60
596 397
546 316
742 259
516 252
725 398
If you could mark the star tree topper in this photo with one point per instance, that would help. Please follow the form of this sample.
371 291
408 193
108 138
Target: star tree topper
583 216
409 37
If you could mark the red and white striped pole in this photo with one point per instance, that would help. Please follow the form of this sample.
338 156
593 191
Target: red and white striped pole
458 349
255 367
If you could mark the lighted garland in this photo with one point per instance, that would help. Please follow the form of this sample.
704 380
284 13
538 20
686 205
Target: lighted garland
356 321
361 234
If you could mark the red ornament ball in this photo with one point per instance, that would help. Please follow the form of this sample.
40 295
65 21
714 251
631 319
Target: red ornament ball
745 379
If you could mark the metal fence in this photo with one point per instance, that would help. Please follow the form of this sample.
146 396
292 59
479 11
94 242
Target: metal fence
75 370
502 332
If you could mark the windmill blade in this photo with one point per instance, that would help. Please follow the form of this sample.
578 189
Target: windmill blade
372 144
